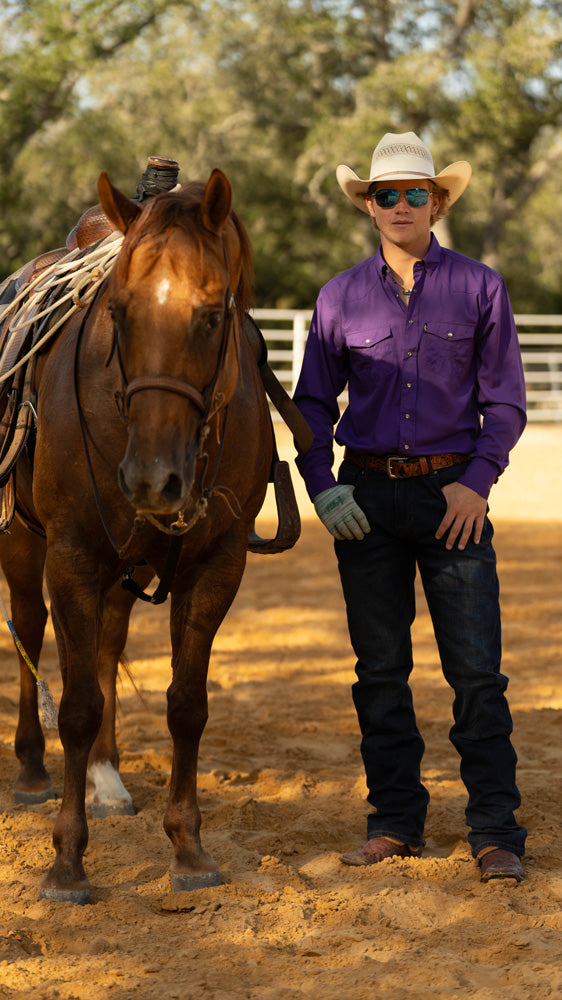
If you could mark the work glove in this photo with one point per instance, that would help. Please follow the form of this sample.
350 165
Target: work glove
338 511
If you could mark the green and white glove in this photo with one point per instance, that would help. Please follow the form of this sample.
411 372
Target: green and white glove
338 511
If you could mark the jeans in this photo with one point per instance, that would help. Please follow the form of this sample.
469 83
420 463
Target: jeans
462 592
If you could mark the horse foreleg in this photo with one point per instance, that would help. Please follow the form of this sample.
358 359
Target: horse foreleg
22 556
74 602
195 618
109 796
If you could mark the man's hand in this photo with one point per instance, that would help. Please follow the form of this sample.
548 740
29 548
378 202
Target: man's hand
338 511
465 510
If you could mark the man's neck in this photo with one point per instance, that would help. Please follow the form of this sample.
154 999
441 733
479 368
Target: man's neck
402 259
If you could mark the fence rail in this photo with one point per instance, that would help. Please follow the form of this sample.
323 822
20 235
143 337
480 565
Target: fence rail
286 330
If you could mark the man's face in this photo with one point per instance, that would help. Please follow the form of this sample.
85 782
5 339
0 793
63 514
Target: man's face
405 225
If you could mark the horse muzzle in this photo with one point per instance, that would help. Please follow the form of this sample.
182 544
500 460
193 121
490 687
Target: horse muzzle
157 471
156 486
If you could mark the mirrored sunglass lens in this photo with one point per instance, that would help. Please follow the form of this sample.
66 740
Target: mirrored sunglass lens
386 197
417 197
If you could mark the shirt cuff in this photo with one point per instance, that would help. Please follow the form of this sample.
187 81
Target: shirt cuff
480 476
315 479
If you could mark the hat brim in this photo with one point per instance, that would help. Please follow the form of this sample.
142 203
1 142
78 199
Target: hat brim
454 178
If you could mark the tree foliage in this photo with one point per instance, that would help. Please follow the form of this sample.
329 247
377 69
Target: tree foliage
278 93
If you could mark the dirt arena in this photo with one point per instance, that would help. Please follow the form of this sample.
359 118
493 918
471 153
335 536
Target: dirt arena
282 795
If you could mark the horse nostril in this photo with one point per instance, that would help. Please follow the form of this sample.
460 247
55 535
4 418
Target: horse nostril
173 489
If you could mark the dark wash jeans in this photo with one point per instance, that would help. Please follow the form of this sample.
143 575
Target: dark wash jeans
462 593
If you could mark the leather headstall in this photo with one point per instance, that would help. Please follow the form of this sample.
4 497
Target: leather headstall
208 401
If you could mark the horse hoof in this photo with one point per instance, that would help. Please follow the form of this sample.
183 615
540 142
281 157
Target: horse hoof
32 798
181 882
100 810
79 896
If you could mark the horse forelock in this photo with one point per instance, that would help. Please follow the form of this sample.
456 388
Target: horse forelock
181 210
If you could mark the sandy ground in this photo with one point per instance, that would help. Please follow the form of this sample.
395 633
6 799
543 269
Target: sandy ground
282 795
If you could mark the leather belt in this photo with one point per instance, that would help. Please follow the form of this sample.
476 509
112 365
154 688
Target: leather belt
401 467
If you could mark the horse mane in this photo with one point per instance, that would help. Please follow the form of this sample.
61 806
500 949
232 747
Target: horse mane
181 209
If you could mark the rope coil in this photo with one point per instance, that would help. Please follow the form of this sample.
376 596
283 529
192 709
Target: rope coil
82 278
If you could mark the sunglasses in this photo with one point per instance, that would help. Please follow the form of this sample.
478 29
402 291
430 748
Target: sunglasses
388 197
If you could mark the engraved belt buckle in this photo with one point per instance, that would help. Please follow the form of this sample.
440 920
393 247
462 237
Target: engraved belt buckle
394 458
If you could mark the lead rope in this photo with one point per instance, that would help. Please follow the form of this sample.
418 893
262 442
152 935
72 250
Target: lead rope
47 707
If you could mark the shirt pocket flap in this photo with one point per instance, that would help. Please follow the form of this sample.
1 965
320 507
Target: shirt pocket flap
365 339
451 332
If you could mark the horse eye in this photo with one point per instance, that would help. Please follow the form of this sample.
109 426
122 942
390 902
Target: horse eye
213 321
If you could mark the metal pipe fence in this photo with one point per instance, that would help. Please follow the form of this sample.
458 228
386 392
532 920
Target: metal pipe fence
286 330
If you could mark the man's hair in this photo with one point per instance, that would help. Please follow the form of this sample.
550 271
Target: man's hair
434 189
444 206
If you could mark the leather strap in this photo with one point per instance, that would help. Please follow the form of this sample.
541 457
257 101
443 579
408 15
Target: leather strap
400 467
277 393
169 385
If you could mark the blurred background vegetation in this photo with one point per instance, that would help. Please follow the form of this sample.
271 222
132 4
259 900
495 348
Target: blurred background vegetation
277 93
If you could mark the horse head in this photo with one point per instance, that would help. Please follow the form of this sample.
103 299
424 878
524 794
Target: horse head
176 295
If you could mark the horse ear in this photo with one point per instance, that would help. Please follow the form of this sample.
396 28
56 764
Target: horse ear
217 201
120 210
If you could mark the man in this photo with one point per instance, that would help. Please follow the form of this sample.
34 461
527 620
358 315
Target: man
425 341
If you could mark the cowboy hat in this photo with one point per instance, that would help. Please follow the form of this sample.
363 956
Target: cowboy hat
399 157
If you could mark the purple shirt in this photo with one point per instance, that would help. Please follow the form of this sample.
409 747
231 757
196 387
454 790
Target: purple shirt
441 375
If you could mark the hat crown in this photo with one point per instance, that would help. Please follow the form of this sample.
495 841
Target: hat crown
401 154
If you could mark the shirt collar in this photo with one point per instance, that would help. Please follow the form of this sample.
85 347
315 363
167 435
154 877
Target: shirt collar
429 262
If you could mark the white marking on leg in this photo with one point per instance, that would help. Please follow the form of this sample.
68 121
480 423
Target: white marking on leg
109 790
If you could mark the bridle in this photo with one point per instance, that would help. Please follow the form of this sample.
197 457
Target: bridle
210 401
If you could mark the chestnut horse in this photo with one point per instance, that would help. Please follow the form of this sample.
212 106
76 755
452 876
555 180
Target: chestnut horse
171 479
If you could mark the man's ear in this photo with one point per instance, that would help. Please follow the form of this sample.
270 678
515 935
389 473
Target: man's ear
370 206
436 204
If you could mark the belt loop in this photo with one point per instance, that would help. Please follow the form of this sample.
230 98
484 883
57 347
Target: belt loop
430 464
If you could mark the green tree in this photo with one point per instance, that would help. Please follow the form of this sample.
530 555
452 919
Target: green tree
277 94
47 50
484 84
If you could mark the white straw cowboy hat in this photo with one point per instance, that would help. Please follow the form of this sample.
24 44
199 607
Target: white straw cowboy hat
400 157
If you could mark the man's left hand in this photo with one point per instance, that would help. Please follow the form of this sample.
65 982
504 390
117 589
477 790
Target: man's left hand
466 511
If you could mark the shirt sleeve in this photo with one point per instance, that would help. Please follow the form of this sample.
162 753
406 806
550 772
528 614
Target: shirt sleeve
500 390
323 377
